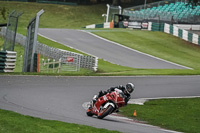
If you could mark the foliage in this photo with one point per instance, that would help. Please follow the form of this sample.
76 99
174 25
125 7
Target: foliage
3 12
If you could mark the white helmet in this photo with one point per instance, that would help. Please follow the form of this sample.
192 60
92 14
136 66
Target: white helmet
130 88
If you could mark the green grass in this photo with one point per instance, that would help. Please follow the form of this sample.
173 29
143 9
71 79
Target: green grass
57 45
11 122
155 43
158 44
56 16
20 57
108 69
176 114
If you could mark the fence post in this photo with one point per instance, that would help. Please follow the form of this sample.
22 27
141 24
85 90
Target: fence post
55 53
53 64
59 67
38 62
31 42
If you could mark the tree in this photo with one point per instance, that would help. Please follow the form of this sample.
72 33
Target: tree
195 2
115 2
3 12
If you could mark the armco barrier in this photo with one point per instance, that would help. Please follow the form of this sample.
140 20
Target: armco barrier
89 62
174 30
104 25
199 40
171 29
183 34
150 26
180 33
155 26
195 38
190 37
7 61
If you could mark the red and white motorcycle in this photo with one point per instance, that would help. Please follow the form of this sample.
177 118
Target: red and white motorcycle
107 104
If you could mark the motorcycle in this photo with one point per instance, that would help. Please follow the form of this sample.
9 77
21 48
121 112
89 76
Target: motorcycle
107 104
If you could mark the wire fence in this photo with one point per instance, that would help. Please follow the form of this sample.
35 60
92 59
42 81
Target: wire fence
89 62
11 31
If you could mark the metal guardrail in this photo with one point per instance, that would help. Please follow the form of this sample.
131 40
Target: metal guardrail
176 31
183 34
89 62
66 63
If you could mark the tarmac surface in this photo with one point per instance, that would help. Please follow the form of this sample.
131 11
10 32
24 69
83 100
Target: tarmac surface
107 50
62 98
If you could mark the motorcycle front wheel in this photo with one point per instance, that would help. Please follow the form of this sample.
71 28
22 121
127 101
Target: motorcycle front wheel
104 112
89 113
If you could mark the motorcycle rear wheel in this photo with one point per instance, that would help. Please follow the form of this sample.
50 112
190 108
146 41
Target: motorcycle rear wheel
105 112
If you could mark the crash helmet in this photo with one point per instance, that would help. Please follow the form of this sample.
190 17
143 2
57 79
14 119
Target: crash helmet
129 88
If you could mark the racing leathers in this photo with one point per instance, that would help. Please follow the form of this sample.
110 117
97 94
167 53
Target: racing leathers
122 88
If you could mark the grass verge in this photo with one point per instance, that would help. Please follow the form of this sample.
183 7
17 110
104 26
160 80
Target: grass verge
154 43
11 122
175 114
155 112
55 16
158 44
104 68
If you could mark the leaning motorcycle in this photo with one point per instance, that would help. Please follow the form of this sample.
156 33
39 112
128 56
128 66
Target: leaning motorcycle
107 104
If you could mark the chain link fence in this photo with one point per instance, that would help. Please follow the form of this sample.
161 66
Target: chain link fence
10 34
31 42
89 62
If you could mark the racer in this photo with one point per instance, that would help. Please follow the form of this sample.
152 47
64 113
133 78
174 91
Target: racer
127 90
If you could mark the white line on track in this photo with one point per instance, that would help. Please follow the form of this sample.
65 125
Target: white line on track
125 119
116 44
65 44
140 123
141 101
136 50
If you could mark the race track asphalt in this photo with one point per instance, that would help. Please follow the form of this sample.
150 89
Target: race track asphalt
61 98
109 51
